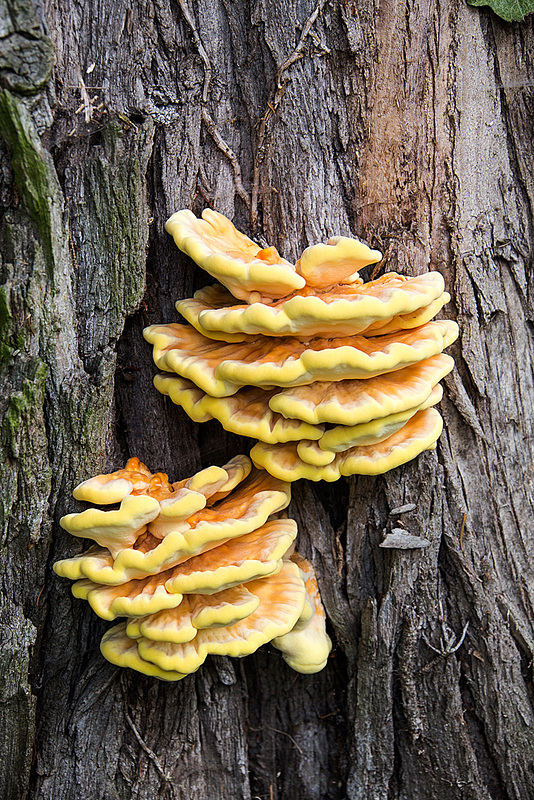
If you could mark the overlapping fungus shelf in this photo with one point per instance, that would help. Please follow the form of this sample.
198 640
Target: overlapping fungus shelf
331 375
198 567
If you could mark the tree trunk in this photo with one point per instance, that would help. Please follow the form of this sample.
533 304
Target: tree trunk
408 125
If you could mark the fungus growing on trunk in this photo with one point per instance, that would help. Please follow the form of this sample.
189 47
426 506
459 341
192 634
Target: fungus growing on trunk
221 369
418 434
390 303
307 645
207 570
327 374
186 526
241 265
246 413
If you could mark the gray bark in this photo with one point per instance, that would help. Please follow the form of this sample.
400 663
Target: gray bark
408 125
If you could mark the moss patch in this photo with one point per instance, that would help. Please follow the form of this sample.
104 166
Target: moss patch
36 181
25 407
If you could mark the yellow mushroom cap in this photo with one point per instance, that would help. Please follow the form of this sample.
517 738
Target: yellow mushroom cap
338 261
245 413
415 319
135 479
355 402
342 437
249 557
253 555
177 628
115 530
237 469
175 510
137 598
222 609
393 301
196 612
282 599
212 480
311 453
420 433
259 496
122 651
221 369
231 257
72 568
307 646
103 489
193 494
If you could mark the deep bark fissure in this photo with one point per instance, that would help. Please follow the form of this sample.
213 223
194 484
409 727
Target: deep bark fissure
489 776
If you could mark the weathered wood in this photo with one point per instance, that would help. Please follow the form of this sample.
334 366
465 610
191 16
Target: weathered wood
408 125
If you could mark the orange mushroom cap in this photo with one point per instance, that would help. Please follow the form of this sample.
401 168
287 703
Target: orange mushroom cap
252 273
390 303
420 433
245 413
220 583
196 531
307 646
135 479
222 369
355 402
281 597
236 561
246 269
338 261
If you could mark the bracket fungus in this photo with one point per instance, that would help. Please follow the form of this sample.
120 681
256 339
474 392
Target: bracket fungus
418 434
390 303
222 369
332 375
209 568
307 645
246 269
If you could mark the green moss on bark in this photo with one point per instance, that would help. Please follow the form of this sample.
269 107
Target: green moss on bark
25 407
35 179
11 338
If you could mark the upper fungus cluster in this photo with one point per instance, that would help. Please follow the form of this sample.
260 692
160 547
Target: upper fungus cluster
332 375
202 566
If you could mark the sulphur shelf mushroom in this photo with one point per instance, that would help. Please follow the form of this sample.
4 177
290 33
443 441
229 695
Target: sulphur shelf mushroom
333 376
391 303
197 567
235 260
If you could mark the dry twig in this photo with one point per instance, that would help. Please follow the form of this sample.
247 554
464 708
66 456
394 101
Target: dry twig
272 107
150 753
87 103
230 155
200 47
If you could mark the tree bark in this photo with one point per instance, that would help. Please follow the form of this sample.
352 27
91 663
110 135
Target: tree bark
408 125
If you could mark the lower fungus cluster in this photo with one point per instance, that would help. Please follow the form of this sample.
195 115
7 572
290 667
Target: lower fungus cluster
333 376
202 566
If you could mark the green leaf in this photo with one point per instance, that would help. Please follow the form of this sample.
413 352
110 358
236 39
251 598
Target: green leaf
507 9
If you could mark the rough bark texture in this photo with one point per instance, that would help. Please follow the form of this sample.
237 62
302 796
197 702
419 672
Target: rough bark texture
406 124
